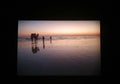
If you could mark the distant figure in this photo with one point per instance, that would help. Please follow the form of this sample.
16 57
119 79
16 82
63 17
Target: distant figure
50 39
43 37
43 42
36 37
32 36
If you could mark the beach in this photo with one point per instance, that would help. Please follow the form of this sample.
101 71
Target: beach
61 56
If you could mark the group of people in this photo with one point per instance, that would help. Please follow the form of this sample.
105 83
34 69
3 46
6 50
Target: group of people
34 38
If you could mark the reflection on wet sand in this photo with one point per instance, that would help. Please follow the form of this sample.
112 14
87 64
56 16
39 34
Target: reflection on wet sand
35 48
75 56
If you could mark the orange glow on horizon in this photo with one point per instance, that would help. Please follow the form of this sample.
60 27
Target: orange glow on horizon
46 28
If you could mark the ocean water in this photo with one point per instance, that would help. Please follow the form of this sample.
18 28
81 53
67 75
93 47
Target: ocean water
61 56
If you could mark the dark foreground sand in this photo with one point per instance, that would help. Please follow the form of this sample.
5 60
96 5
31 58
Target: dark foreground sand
66 57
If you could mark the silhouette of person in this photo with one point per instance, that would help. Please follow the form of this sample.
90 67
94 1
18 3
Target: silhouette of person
50 39
36 37
43 37
32 37
43 42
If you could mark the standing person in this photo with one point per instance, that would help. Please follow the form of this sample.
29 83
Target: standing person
50 37
36 37
43 37
43 42
32 37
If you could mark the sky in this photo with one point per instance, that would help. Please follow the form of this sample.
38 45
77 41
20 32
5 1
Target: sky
46 28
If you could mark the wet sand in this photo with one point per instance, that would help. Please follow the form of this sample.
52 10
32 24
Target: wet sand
66 57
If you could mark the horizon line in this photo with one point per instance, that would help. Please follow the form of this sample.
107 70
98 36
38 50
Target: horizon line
66 35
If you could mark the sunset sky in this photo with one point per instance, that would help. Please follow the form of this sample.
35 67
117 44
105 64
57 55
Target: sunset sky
26 27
